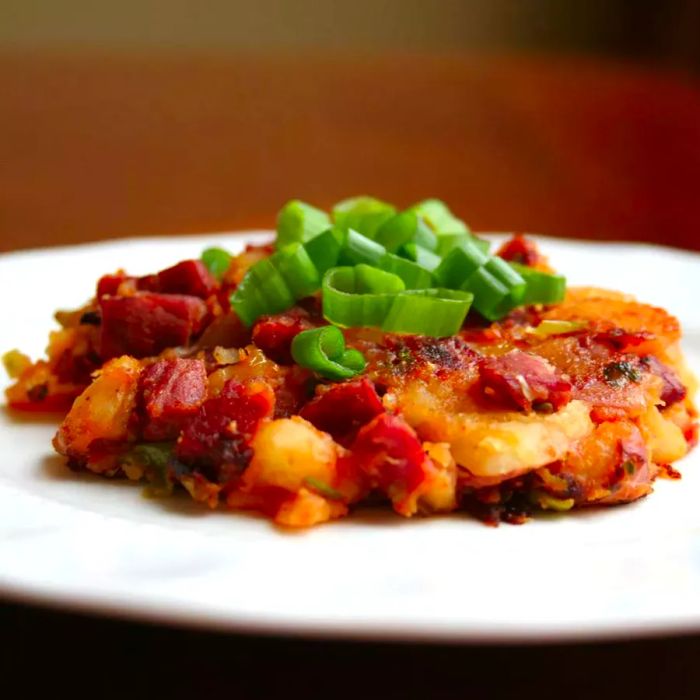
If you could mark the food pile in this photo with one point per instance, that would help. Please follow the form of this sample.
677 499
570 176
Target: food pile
369 355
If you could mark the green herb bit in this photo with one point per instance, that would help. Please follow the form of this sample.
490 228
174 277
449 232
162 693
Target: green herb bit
322 488
548 502
620 373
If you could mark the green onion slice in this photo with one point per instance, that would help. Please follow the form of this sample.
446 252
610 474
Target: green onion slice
299 222
459 264
542 287
447 241
360 249
298 270
407 227
363 214
413 275
364 296
323 351
273 284
439 216
433 312
358 296
421 256
217 261
491 296
324 249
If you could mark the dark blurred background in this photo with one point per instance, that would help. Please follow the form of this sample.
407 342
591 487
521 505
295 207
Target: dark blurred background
572 117
665 31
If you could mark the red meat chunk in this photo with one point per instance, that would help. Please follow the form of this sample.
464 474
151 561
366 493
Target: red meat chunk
673 390
521 250
188 277
144 324
223 426
622 340
343 409
274 335
389 452
519 381
173 388
109 284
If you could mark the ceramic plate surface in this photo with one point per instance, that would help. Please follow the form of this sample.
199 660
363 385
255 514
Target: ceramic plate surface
81 542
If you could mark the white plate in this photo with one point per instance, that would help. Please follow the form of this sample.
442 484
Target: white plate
77 541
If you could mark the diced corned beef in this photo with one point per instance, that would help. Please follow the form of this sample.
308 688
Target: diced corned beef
673 390
274 335
622 340
389 452
223 426
187 277
144 324
148 283
343 409
520 381
109 284
521 250
174 388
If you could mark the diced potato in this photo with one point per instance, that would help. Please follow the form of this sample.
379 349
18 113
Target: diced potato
663 437
497 444
103 410
307 509
440 493
287 452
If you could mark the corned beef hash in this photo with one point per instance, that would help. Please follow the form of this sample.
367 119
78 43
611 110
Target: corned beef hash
370 355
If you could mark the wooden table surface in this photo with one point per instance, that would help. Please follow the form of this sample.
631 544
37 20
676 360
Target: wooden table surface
98 146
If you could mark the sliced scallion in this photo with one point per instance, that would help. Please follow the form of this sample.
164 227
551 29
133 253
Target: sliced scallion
299 222
323 351
434 312
363 214
360 249
542 287
439 217
324 249
217 261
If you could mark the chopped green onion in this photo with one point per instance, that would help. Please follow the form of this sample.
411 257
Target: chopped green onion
439 216
447 241
413 275
403 228
360 249
364 296
434 312
551 327
363 214
299 222
459 264
542 287
504 273
358 296
373 280
273 284
324 249
491 296
323 351
298 270
421 256
217 261
262 291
